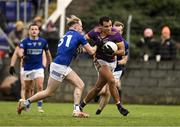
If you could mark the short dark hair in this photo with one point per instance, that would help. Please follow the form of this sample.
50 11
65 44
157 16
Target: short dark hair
33 24
104 19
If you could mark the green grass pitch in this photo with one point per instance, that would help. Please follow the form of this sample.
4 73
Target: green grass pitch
59 114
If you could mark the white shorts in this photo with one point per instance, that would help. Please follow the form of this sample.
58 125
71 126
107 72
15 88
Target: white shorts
59 72
117 74
32 74
99 62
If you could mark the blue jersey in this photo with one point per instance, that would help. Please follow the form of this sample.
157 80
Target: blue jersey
67 47
119 67
33 50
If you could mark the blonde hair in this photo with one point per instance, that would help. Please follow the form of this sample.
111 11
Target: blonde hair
73 20
19 24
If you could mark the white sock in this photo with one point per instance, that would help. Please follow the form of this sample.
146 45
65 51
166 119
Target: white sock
27 102
76 107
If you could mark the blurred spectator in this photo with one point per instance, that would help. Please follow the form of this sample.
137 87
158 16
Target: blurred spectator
167 48
18 33
52 36
3 22
39 21
148 45
50 30
2 54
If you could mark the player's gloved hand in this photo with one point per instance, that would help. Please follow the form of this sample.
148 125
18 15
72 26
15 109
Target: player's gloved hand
79 50
107 50
12 70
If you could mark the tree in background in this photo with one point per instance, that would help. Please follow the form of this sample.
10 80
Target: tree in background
146 13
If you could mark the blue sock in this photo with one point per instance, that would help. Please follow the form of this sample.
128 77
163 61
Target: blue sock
39 103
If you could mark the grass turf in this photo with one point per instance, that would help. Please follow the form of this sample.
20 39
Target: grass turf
59 114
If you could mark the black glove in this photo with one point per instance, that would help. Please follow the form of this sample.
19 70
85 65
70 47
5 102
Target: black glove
79 50
12 70
107 50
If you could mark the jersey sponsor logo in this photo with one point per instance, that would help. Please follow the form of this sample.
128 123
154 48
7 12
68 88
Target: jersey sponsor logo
29 44
34 51
56 73
39 43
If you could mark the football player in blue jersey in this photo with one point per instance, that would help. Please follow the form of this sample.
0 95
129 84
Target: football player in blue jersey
31 51
60 68
104 94
12 71
105 61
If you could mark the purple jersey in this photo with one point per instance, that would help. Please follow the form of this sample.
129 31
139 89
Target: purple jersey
97 40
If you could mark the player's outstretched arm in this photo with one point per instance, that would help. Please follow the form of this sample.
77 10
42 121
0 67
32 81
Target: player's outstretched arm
121 49
91 50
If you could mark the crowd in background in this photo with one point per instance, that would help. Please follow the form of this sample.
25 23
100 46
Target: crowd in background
9 84
151 48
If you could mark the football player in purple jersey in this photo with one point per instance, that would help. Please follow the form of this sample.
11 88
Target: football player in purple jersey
104 94
105 61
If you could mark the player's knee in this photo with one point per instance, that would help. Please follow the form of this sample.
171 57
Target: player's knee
97 89
107 93
111 81
28 91
81 86
40 88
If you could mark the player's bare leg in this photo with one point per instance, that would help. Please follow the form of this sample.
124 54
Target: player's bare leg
118 85
100 83
95 90
75 80
105 96
28 88
105 76
22 88
39 85
51 88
